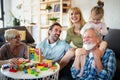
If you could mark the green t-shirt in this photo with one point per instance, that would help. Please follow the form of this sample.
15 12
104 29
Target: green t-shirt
75 39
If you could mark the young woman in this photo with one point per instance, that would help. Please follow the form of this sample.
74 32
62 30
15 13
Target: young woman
73 37
76 23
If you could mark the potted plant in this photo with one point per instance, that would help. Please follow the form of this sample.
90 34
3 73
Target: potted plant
48 8
53 19
16 21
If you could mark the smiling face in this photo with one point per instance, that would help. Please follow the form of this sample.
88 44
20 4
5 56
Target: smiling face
16 41
90 39
75 16
12 36
54 34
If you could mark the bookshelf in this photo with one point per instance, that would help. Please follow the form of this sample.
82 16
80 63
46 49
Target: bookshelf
59 10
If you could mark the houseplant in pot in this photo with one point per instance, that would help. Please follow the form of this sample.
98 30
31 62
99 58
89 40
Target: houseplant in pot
53 19
16 21
48 8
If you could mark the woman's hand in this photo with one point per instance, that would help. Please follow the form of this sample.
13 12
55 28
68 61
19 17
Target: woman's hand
13 60
21 59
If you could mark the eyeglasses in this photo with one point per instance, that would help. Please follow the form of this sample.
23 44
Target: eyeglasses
16 37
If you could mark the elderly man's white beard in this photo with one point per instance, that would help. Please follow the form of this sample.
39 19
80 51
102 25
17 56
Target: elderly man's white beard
89 46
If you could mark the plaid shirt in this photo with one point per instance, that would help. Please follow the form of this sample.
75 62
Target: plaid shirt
90 72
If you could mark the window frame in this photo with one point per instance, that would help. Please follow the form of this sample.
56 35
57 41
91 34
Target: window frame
2 12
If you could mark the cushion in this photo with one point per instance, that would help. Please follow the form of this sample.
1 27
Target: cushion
22 34
1 39
113 41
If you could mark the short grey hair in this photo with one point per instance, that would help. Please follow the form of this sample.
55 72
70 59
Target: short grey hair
91 27
10 34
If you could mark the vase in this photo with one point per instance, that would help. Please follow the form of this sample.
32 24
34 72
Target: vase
48 11
52 22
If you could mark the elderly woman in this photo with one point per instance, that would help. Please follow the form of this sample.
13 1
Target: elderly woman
13 49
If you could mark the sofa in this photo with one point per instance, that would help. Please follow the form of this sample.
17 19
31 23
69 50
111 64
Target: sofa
28 37
113 41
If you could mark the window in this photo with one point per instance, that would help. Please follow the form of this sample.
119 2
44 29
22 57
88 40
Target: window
1 14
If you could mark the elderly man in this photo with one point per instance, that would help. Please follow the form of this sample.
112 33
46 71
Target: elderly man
95 66
53 48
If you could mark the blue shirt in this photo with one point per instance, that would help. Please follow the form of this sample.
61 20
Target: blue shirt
55 52
90 72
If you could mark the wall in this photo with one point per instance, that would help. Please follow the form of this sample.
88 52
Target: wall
111 17
111 8
7 7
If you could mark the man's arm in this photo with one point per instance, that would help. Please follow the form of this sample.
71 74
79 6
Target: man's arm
109 65
66 58
97 58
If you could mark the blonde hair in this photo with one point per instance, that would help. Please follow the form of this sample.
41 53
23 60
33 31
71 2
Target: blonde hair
76 9
10 34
